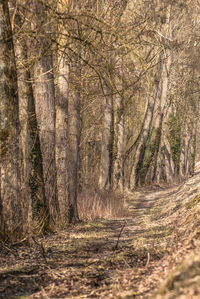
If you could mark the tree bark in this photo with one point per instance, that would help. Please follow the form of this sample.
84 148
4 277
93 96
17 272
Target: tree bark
118 168
26 142
107 140
10 205
45 113
62 94
74 137
140 151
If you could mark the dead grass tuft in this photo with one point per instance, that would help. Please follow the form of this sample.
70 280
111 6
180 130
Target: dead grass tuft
107 205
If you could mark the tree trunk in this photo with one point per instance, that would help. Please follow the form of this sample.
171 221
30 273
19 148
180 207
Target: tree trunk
118 168
107 140
186 149
161 148
74 137
10 205
62 93
45 112
26 142
140 151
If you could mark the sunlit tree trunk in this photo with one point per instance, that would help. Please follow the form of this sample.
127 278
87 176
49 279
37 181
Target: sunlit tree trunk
45 112
165 169
107 140
62 93
118 169
186 149
140 151
118 112
10 205
44 98
161 163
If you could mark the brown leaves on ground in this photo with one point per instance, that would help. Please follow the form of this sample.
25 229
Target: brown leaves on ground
117 258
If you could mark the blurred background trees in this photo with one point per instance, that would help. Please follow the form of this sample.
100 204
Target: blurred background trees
96 96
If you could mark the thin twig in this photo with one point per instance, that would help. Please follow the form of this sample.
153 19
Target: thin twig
115 248
148 259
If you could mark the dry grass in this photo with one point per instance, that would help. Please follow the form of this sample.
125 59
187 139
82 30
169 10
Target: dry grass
106 205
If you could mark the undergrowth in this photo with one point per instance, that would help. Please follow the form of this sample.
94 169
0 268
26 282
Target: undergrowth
93 205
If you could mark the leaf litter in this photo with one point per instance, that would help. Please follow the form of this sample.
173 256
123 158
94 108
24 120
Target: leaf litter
152 252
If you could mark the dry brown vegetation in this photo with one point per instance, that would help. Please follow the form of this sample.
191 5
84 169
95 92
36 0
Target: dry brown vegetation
152 252
97 205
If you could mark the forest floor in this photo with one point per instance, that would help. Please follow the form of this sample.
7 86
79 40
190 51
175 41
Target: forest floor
152 252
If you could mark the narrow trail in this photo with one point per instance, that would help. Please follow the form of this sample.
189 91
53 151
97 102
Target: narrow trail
120 258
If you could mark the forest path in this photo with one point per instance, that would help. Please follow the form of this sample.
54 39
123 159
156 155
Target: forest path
119 258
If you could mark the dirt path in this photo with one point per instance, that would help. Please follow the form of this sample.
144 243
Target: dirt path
121 258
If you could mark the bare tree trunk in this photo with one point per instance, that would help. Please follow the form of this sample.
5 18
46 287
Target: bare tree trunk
107 140
186 148
74 137
61 136
62 93
140 151
118 168
161 164
26 142
40 52
165 169
45 112
10 205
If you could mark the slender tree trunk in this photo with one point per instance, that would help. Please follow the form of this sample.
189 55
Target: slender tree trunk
61 136
164 162
140 151
161 163
74 137
107 140
165 169
26 142
10 205
62 93
186 149
118 169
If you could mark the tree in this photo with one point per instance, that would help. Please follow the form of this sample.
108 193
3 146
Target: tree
10 205
44 98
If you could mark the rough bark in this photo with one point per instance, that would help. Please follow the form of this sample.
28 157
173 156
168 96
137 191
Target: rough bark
10 205
118 168
26 142
62 93
140 151
44 99
160 163
107 140
45 112
74 137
